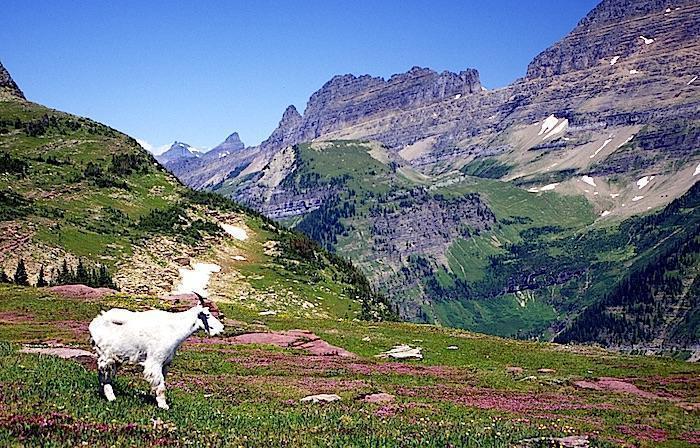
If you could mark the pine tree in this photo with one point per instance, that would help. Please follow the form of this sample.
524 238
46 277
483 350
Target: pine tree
3 277
66 275
104 279
81 274
41 281
21 278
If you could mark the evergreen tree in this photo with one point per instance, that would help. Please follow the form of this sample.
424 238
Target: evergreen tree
81 274
3 277
66 275
21 278
104 279
41 281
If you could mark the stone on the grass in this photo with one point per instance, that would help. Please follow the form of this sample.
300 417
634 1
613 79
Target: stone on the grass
563 442
267 313
299 339
546 371
59 351
366 339
452 347
587 385
380 397
81 291
320 398
615 385
403 352
514 370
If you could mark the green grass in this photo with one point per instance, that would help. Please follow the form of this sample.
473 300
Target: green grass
247 395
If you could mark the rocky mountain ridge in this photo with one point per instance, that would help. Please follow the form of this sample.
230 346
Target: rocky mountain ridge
8 87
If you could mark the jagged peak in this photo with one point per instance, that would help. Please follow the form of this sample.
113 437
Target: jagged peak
233 138
8 87
290 117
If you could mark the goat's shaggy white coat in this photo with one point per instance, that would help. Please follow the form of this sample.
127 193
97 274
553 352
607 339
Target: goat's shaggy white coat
148 338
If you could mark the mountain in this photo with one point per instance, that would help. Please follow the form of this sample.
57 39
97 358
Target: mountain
177 151
8 87
604 127
82 202
232 144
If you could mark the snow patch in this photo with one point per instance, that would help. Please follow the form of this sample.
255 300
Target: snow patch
634 72
605 213
692 80
561 127
197 279
238 233
629 139
589 180
458 96
614 60
267 313
239 258
697 170
644 181
548 187
637 198
605 143
646 40
403 352
548 124
614 195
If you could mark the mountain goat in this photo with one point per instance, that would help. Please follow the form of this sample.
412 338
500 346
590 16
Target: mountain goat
148 338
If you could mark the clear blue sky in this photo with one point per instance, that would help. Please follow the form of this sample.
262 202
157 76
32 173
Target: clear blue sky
196 71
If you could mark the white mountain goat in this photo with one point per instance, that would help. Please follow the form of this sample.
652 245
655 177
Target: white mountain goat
148 338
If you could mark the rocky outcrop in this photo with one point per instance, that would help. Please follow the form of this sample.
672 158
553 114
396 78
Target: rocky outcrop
8 87
425 224
286 132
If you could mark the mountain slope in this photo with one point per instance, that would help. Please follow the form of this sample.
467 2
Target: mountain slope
655 306
8 87
76 192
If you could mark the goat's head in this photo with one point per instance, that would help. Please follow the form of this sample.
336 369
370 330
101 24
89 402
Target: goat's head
208 322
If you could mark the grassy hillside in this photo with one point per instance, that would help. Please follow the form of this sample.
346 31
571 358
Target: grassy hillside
77 192
481 392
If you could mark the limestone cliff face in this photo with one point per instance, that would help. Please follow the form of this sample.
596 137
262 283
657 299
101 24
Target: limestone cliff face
617 27
8 87
347 100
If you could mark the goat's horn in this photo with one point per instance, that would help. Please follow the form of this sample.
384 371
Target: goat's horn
201 299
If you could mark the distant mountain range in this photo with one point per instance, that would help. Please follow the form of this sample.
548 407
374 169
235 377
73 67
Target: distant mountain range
467 206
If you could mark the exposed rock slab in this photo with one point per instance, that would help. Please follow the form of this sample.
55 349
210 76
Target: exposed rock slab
81 291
